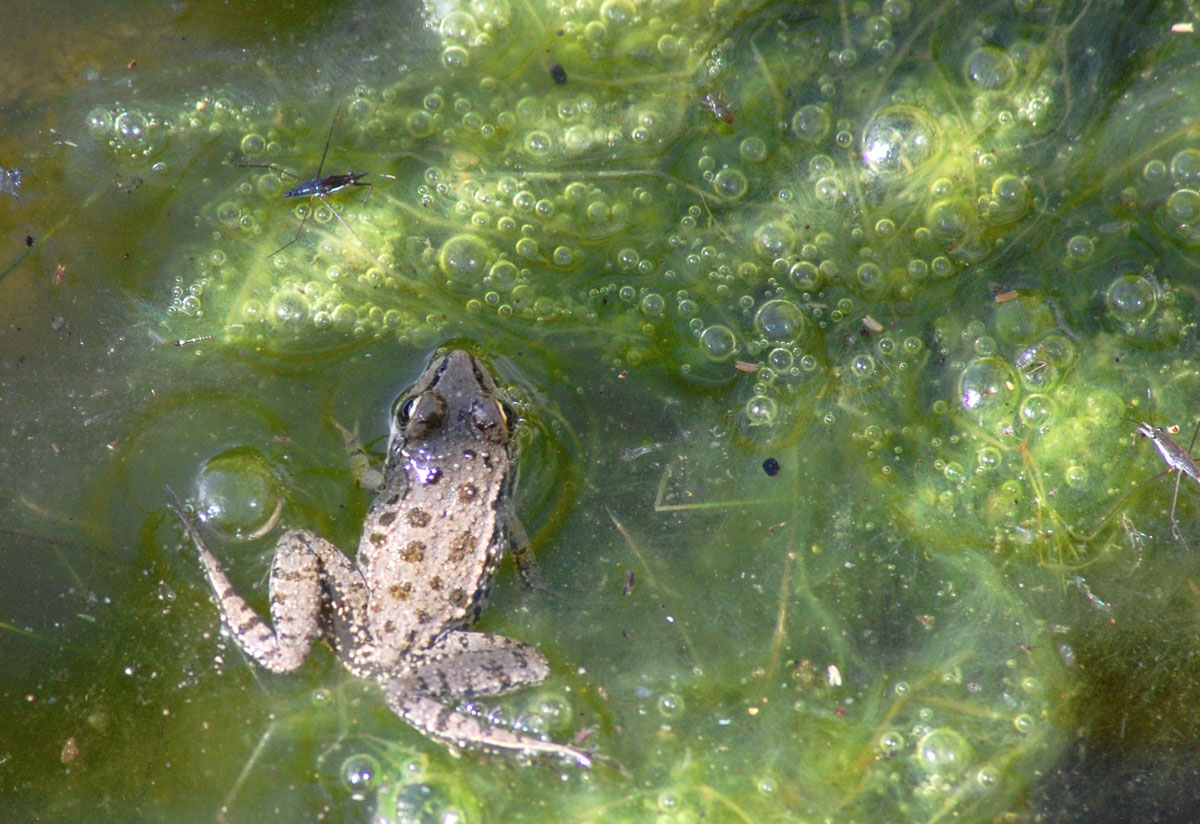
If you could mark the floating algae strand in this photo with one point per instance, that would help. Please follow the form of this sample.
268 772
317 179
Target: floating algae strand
895 273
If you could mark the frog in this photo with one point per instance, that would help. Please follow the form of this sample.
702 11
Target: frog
433 538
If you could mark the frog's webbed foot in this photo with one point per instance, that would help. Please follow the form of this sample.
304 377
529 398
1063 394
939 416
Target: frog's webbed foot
462 665
367 476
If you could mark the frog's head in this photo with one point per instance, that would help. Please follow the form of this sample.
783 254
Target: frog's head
454 403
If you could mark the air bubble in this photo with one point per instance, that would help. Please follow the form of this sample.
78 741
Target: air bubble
1079 249
1011 199
899 139
253 145
1181 215
538 143
804 275
774 240
653 304
464 258
781 360
779 320
456 58
811 123
358 771
987 459
228 213
100 122
988 778
460 27
237 494
1185 167
563 257
986 383
949 220
944 751
1131 299
617 12
730 184
989 69
289 309
670 705
891 743
719 343
1036 411
761 410
753 149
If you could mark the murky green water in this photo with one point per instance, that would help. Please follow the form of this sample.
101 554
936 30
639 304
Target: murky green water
831 326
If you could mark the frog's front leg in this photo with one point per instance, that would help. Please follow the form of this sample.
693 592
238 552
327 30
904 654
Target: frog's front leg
313 588
367 476
462 665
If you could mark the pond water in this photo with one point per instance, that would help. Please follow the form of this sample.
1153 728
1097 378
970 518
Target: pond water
830 327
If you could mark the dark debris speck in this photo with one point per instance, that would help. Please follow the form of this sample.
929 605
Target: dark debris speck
771 467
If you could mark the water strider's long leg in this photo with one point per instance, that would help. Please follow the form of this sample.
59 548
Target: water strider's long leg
318 187
1177 459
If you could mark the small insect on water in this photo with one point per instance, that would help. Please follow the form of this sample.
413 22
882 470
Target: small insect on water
1176 458
319 187
720 106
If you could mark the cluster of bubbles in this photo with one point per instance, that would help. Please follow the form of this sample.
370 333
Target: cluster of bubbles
947 744
128 133
1001 429
743 243
767 254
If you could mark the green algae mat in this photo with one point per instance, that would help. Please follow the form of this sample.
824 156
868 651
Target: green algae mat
853 345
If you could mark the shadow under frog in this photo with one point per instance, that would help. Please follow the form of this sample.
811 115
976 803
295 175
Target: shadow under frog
432 540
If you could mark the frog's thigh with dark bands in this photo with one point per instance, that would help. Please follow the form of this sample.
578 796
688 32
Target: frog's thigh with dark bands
333 594
468 664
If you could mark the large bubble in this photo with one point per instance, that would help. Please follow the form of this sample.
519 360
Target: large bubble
899 139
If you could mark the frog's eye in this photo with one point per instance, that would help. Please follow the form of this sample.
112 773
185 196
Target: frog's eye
423 414
492 418
402 409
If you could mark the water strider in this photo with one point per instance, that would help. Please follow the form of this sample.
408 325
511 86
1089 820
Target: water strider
319 187
432 540
1177 460
720 106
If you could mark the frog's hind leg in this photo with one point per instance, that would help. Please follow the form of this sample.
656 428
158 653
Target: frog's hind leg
321 575
313 586
463 665
458 731
309 578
